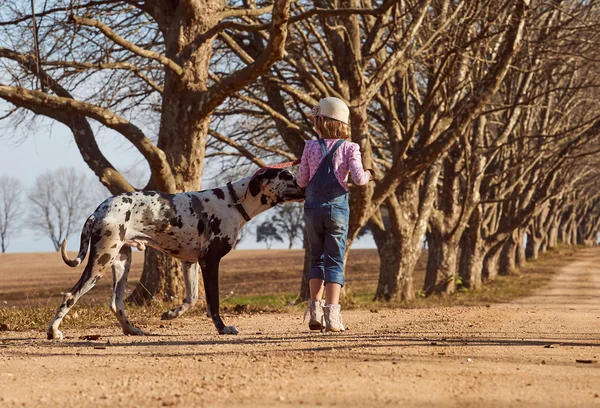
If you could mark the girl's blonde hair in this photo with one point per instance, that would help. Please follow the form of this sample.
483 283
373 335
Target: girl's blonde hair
331 129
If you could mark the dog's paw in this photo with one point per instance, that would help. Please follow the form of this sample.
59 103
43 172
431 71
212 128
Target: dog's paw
54 334
229 330
133 331
170 315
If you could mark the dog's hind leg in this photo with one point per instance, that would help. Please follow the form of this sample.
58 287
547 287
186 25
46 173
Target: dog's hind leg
95 268
120 270
190 276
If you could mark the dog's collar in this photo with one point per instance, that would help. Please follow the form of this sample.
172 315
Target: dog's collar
237 203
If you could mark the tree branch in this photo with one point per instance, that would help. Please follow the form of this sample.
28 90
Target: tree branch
230 142
40 102
273 52
110 34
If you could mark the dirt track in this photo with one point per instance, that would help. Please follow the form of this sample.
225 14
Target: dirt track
520 354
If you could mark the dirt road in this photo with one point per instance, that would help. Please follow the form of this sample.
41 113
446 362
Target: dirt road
519 354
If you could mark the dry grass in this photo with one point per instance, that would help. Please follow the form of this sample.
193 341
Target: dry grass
251 281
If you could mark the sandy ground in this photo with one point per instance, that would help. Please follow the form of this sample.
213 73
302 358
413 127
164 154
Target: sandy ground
519 354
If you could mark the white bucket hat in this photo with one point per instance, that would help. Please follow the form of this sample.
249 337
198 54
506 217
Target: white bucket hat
333 108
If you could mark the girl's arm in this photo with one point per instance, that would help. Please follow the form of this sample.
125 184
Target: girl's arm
358 173
303 175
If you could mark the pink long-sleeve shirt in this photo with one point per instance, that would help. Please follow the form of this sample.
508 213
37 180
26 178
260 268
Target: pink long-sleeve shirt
346 160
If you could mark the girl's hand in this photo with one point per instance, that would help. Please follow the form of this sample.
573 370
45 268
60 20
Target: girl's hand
372 175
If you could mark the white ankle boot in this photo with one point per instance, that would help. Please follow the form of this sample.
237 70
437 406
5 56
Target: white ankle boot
315 308
333 318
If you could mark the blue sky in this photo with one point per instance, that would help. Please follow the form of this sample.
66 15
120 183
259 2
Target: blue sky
27 153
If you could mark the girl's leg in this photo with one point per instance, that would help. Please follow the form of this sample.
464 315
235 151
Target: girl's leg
332 293
316 236
336 231
316 289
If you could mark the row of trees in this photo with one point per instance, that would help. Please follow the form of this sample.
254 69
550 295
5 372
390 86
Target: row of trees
480 117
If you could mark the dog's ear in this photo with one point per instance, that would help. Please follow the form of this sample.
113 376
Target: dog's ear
254 186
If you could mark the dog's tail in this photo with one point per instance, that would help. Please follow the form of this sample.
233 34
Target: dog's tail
83 247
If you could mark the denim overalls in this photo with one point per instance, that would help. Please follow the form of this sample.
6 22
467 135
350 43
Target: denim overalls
326 213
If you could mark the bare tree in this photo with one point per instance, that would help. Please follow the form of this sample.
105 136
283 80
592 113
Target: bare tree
289 219
267 232
11 190
59 202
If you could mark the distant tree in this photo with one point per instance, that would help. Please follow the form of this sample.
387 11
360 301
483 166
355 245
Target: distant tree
289 220
59 200
11 190
267 233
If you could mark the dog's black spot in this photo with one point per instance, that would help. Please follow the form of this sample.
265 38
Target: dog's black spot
273 204
219 247
122 232
191 211
129 194
107 233
175 252
96 279
219 193
201 227
114 246
103 260
127 216
254 186
170 233
70 302
263 199
206 200
176 222
149 193
286 175
127 200
215 225
228 205
142 204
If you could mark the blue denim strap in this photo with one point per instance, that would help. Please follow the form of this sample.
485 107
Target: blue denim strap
323 147
333 149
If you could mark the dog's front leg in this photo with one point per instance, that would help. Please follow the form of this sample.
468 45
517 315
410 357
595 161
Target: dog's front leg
190 277
210 275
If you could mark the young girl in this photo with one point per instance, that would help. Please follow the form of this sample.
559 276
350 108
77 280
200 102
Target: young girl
324 170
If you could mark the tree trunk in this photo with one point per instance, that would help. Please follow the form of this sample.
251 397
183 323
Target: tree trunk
520 257
532 250
507 263
163 279
304 293
182 136
390 250
490 263
440 275
553 233
472 252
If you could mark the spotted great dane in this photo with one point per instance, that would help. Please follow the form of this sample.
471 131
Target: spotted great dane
196 227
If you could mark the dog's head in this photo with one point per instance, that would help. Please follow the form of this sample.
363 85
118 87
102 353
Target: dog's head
275 186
